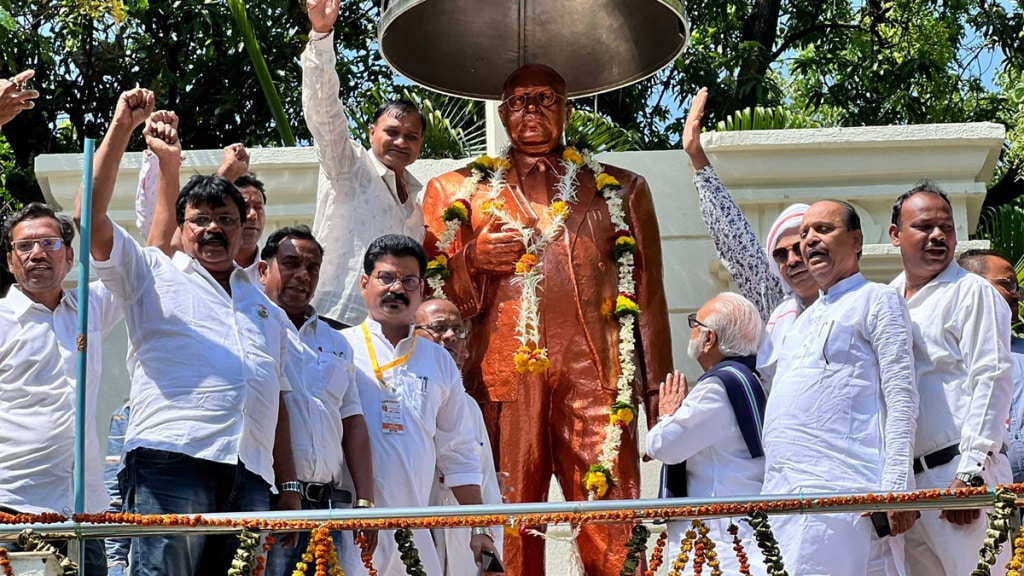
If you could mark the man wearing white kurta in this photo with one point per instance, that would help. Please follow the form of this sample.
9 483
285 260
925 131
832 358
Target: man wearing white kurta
38 363
412 399
702 427
361 193
841 415
965 377
440 322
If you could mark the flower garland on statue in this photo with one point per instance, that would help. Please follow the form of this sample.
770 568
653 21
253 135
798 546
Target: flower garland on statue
530 357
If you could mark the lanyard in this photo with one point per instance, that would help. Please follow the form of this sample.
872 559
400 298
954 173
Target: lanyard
378 370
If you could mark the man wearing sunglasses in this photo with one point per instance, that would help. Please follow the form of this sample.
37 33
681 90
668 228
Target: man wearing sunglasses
413 402
38 352
553 422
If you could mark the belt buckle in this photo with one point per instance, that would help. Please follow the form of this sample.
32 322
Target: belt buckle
317 492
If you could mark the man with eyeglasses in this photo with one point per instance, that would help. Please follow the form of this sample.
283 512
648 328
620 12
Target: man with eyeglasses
206 354
552 420
38 367
774 278
439 321
964 373
843 407
361 193
413 402
994 267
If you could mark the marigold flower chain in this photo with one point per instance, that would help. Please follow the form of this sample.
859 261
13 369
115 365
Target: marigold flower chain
5 563
1016 564
657 555
684 553
364 553
737 547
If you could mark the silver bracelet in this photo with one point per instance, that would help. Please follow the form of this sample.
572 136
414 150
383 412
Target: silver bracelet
483 531
292 486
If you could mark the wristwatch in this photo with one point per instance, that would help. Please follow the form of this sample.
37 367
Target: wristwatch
972 480
483 531
292 486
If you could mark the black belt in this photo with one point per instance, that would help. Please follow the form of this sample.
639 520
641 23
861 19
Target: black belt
319 493
937 458
940 457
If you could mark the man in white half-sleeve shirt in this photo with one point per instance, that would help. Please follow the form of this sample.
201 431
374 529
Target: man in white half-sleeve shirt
327 426
361 193
709 437
206 354
842 411
964 374
38 369
413 401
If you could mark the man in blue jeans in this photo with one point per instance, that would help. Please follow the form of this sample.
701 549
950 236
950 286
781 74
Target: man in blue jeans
206 353
113 480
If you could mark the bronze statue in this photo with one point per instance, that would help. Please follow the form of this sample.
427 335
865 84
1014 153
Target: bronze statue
530 246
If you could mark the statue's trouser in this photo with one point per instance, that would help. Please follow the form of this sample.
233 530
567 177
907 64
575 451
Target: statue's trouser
557 426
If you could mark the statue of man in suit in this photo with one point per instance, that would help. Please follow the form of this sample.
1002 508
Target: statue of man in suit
536 248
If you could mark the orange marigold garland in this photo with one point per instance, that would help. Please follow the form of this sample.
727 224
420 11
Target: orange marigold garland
657 555
737 547
636 547
997 533
5 563
767 543
708 549
410 555
307 558
364 553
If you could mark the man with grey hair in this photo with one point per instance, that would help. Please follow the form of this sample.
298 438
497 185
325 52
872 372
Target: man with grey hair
710 438
843 408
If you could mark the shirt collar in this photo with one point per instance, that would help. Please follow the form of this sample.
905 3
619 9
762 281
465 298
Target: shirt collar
412 185
842 287
21 303
186 263
528 164
375 328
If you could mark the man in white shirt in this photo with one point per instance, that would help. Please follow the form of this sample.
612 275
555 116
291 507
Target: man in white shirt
328 430
206 356
38 368
439 321
842 411
710 437
964 374
413 401
361 193
994 267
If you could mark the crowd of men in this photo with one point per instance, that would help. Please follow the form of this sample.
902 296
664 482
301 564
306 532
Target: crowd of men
254 386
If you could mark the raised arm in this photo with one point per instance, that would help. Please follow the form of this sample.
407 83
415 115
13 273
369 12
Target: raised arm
735 242
132 109
162 138
324 112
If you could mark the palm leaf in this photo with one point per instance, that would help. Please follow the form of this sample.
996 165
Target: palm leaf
259 64
761 118
1003 227
599 134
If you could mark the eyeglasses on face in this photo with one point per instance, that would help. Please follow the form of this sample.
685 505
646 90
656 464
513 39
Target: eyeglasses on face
48 244
441 330
781 254
545 98
1008 284
205 220
691 319
409 283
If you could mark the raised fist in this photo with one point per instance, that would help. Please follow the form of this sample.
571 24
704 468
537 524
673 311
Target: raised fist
133 107
235 162
161 134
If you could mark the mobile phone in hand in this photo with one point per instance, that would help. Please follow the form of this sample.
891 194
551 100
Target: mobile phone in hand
491 562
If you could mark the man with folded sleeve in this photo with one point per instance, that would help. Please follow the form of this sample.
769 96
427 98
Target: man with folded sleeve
327 426
964 376
206 355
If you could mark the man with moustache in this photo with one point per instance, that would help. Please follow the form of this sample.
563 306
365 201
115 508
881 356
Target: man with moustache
994 267
206 355
775 278
38 353
328 430
361 193
413 402
709 437
964 374
552 419
842 411
439 321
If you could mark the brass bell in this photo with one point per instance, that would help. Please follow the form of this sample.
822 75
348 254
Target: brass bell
468 47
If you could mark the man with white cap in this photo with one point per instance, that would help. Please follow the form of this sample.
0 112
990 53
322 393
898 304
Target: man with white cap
775 279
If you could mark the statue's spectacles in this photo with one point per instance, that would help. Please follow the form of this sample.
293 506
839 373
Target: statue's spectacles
545 98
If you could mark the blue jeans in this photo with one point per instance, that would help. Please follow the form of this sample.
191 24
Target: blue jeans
281 561
162 482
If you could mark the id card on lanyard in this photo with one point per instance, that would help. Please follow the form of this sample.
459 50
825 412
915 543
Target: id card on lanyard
392 418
